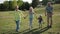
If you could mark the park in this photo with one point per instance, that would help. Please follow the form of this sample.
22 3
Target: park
8 25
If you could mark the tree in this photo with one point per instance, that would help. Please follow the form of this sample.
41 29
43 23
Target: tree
14 3
45 2
19 2
35 3
1 7
6 5
57 1
25 5
10 5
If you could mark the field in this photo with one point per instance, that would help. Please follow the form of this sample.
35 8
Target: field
7 23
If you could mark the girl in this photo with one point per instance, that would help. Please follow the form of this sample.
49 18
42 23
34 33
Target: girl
40 20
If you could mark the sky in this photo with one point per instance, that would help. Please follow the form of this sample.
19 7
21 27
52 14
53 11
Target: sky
1 1
29 1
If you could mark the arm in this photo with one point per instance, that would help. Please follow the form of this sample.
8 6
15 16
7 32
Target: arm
52 10
45 11
22 14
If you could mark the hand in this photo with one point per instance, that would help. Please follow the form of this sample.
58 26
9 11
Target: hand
52 13
45 14
24 17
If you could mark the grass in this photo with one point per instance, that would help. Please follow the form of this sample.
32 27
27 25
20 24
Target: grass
7 23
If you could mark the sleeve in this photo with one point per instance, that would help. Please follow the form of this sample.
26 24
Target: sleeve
41 19
46 8
21 14
52 9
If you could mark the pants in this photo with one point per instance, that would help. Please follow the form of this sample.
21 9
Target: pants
40 24
49 19
17 25
31 19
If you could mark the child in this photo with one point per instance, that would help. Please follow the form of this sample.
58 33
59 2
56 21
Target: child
49 11
40 20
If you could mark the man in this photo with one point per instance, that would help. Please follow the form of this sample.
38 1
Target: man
49 13
17 15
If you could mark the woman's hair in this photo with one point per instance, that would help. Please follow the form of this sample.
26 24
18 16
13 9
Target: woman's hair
31 8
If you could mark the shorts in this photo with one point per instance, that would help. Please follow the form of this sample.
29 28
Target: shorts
49 14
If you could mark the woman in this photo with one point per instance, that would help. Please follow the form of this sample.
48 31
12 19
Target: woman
31 12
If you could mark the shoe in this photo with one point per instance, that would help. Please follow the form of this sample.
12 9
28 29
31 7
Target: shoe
49 26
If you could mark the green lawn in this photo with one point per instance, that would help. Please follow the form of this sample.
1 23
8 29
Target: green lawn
7 23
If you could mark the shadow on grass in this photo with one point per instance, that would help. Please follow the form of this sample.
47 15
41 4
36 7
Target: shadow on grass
36 32
27 31
10 32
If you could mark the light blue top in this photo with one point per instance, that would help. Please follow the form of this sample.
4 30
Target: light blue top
31 15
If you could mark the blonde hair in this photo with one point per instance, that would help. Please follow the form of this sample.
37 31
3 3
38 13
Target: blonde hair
31 8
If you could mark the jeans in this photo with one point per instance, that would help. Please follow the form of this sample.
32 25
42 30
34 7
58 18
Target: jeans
17 25
31 19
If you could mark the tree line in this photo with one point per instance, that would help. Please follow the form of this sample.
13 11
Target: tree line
10 5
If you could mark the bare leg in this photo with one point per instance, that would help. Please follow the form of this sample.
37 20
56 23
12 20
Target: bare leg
47 21
51 21
39 25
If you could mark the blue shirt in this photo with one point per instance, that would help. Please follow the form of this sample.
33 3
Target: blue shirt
49 9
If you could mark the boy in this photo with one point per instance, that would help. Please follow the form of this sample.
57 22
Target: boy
40 21
49 11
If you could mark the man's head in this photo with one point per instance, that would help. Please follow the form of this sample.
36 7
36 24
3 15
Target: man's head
49 4
17 7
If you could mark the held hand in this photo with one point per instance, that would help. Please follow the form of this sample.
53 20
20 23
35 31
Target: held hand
24 17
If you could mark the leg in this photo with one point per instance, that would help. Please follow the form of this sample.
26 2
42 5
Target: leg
51 21
30 23
47 20
17 26
39 25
